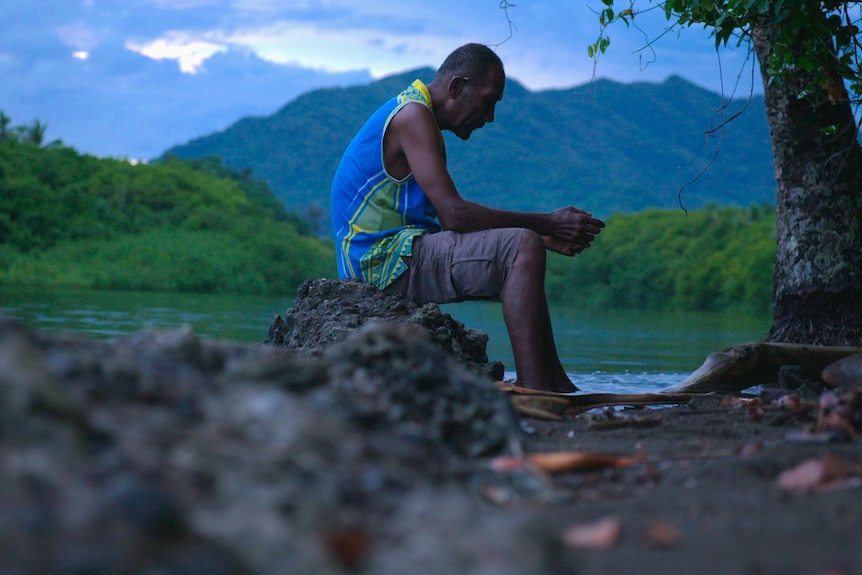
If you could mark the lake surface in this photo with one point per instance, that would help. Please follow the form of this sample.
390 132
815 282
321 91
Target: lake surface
603 350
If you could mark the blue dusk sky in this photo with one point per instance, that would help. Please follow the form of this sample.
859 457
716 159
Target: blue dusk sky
130 78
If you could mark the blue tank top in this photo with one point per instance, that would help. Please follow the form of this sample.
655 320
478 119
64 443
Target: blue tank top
374 216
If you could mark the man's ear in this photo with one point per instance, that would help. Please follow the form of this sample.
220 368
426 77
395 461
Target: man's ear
456 86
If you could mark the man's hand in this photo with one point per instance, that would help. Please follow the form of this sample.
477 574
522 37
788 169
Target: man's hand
572 230
566 248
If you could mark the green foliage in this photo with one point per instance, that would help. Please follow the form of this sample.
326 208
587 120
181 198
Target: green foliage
716 259
176 259
257 190
605 147
74 220
68 219
34 134
815 42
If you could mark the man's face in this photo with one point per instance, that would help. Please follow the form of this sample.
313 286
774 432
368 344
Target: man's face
476 102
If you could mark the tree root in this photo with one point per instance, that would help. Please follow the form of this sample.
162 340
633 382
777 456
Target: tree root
748 364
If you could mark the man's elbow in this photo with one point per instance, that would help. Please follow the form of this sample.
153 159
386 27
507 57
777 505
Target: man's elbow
459 219
454 223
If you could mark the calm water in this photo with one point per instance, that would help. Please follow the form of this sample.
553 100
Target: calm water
603 350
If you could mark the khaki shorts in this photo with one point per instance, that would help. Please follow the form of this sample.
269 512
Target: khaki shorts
448 267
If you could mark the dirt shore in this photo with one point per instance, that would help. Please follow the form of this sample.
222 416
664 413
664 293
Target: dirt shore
165 453
715 491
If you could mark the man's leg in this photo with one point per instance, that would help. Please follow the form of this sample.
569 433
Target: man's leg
525 310
506 265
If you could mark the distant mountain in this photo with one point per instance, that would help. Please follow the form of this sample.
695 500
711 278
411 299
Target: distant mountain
604 147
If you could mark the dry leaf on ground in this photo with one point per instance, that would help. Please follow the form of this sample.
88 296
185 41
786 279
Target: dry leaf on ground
601 534
840 409
735 401
349 547
661 534
818 474
563 461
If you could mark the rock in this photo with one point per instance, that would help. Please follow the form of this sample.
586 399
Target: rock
845 372
26 384
393 373
326 311
167 453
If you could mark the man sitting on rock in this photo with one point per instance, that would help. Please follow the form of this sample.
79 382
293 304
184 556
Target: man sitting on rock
401 224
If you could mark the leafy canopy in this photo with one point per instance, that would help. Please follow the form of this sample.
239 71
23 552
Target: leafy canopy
715 259
801 32
74 220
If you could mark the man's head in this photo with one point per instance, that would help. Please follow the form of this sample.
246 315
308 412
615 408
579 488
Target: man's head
472 81
472 60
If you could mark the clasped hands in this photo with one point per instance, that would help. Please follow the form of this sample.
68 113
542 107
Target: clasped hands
573 231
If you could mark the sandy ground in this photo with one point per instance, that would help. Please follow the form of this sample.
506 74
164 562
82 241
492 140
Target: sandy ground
165 453
719 490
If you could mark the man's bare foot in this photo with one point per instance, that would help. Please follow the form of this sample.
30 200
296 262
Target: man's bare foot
554 387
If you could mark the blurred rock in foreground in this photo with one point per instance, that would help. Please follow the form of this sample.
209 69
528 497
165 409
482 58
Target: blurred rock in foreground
163 453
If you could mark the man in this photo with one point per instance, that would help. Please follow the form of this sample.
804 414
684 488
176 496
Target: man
401 224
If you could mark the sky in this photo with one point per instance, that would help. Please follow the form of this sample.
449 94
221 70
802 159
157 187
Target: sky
131 78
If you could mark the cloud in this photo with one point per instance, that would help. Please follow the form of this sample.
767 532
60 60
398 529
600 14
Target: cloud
333 35
181 5
337 50
77 35
150 105
190 53
134 77
137 103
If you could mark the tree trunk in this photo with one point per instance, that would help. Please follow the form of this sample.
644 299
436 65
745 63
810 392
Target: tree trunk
818 269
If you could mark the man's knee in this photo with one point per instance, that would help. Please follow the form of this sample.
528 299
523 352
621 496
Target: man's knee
531 248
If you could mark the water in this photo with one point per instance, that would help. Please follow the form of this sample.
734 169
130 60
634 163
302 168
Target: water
623 351
603 350
106 314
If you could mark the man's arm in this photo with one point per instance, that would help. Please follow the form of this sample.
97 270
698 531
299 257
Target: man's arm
413 134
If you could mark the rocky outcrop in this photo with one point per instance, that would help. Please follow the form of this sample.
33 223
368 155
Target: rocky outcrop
167 453
326 311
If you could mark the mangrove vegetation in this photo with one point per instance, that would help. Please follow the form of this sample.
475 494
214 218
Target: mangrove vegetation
73 220
193 225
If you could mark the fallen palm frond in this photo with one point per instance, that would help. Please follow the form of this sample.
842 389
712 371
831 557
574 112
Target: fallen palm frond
551 405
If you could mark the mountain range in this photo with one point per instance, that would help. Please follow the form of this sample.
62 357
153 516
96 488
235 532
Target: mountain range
605 147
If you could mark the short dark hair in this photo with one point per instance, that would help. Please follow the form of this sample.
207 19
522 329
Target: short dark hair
472 60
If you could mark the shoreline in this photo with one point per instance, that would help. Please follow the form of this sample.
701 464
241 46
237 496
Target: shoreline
709 495
386 456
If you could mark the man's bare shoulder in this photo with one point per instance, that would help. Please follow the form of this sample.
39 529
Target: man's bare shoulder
414 115
414 126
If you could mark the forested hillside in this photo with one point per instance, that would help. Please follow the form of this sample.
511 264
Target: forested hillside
606 147
68 219
72 220
714 259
